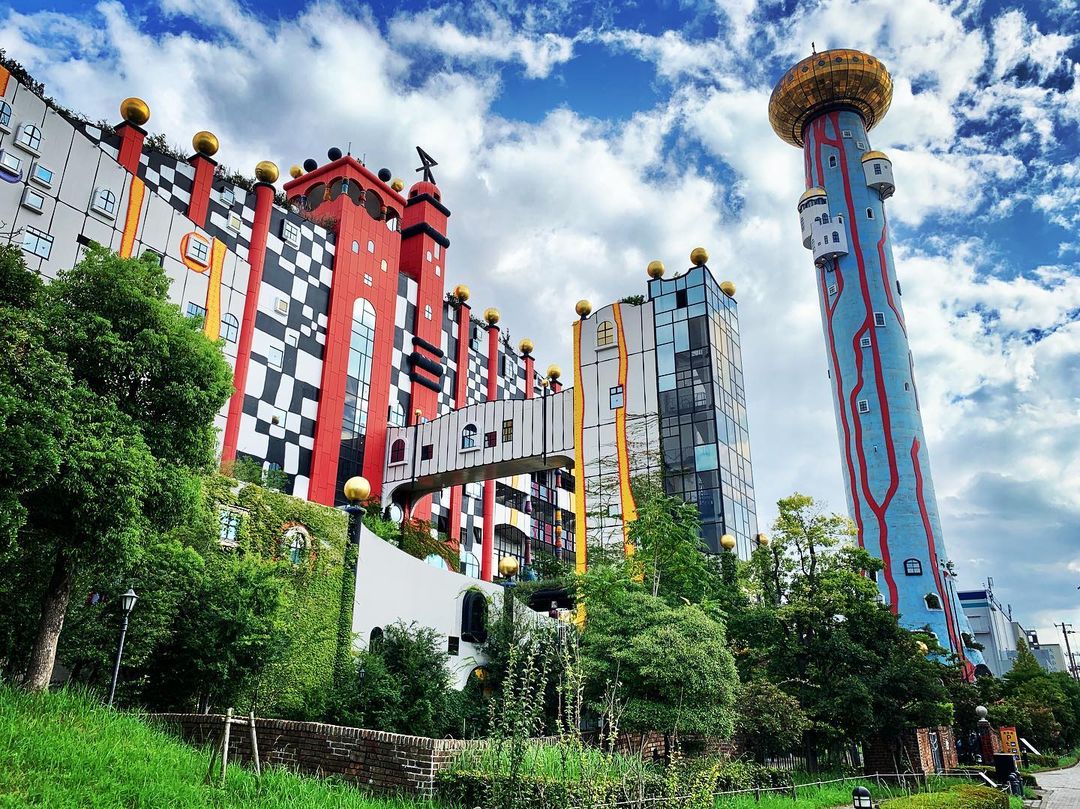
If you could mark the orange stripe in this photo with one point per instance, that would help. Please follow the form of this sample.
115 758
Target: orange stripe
629 507
131 219
5 74
212 323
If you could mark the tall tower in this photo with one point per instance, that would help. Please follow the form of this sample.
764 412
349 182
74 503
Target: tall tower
826 104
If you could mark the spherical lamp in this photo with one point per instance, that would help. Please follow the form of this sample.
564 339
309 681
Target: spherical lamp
356 489
508 567
762 539
699 256
655 269
526 346
728 288
266 172
296 171
461 292
491 315
135 111
554 372
727 542
205 143
583 308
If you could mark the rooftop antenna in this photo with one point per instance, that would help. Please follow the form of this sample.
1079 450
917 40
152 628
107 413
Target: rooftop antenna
348 149
428 162
813 48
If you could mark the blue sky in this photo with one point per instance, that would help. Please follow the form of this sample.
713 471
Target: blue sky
577 142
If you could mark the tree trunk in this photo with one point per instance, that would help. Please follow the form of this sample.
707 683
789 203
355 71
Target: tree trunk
53 609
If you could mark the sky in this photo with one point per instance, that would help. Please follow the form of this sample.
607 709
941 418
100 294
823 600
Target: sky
577 142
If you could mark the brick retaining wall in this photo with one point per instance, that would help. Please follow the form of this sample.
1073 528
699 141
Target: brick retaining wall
911 752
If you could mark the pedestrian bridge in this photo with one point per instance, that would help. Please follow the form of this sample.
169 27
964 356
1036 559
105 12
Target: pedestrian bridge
479 442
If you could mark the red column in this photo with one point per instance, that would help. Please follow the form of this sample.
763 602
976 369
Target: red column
487 563
530 371
462 360
201 187
260 228
131 143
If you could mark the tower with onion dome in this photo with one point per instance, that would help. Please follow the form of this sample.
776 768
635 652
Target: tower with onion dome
826 105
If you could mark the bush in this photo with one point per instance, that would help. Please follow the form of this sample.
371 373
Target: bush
1027 778
1034 760
964 796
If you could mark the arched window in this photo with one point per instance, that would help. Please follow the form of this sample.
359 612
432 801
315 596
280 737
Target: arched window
840 218
296 544
315 196
832 161
29 136
357 390
869 213
376 637
355 246
605 334
474 610
468 436
230 327
5 113
835 237
397 451
104 201
912 567
370 246
391 220
427 312
373 204
933 602
824 219
817 219
396 416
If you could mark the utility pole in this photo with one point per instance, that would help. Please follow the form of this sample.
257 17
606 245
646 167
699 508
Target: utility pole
1066 630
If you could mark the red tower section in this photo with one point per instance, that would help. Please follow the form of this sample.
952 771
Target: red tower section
423 258
357 206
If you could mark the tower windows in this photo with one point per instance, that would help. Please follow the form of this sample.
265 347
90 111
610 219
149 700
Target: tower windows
824 219
370 246
836 237
877 168
29 137
840 218
5 114
11 162
869 213
864 406
865 342
860 144
468 436
427 452
275 355
879 319
195 312
605 334
290 233
41 175
427 312
368 280
933 602
490 439
355 246
898 292
397 451
832 161
508 430
438 249
33 199
912 567
833 289
847 133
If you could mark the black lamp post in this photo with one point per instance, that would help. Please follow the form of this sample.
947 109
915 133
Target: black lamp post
508 568
356 491
861 799
127 604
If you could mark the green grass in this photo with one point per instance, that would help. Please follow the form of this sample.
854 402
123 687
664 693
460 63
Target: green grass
1067 760
64 751
828 796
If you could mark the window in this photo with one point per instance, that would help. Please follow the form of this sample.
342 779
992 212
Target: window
275 357
11 162
230 328
229 522
879 319
877 168
864 406
37 242
281 306
375 638
355 246
196 311
426 452
832 161
428 255
29 137
235 222
474 613
438 249
468 436
438 271
397 451
824 219
396 415
615 397
933 602
227 197
296 543
368 280
370 246
832 289
907 386
508 430
382 265
41 175
605 334
865 342
392 223
869 213
860 144
912 567
847 133
104 202
33 200
490 439
427 312
835 237
5 114
840 218
290 233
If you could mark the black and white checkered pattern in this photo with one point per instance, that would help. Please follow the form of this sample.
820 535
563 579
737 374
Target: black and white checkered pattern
168 177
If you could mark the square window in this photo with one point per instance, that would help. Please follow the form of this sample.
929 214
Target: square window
33 200
230 526
508 430
490 439
615 397
860 144
368 280
832 289
37 242
427 451
11 162
847 133
879 319
195 311
865 342
227 196
41 175
290 233
281 306
864 406
275 357
235 222
198 249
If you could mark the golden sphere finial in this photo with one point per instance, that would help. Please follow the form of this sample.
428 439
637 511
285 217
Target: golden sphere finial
583 308
491 315
728 288
461 292
727 542
762 539
827 81
508 566
205 143
526 346
418 414
655 269
356 489
295 171
699 256
135 111
554 372
397 184
266 172
544 382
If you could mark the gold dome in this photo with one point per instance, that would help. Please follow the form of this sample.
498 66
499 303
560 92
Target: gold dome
266 172
875 155
356 489
205 143
699 256
583 308
295 171
508 566
812 193
491 315
762 539
728 288
461 292
655 269
727 542
554 372
135 111
526 346
826 81
397 184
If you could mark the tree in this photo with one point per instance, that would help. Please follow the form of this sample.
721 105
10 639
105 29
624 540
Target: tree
769 720
145 386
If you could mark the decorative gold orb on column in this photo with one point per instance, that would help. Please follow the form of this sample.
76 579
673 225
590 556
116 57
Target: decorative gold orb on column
296 172
762 539
526 346
728 288
554 372
135 111
699 256
508 567
655 269
356 489
727 542
266 172
491 315
205 143
461 292
397 184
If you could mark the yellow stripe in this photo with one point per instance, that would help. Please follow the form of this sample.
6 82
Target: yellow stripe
629 508
4 76
579 456
212 324
131 219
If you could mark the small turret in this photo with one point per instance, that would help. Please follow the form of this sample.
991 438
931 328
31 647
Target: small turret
878 170
829 240
811 204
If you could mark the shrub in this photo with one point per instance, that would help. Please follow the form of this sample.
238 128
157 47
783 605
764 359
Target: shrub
1043 760
1027 778
964 796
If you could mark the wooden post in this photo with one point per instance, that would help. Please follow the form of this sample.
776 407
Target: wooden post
225 744
254 743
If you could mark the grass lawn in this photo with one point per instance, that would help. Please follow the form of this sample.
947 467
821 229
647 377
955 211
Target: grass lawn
64 751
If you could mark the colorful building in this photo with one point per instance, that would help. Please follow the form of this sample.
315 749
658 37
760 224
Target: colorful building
826 105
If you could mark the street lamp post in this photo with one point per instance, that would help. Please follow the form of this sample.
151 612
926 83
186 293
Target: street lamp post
127 604
508 568
356 491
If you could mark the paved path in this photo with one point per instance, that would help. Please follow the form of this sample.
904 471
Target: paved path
1063 788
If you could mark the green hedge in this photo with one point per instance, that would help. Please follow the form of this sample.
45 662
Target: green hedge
1034 760
964 796
1027 778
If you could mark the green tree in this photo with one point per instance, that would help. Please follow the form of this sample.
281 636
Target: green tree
145 387
769 720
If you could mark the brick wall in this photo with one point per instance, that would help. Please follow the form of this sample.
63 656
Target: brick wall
381 762
911 752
